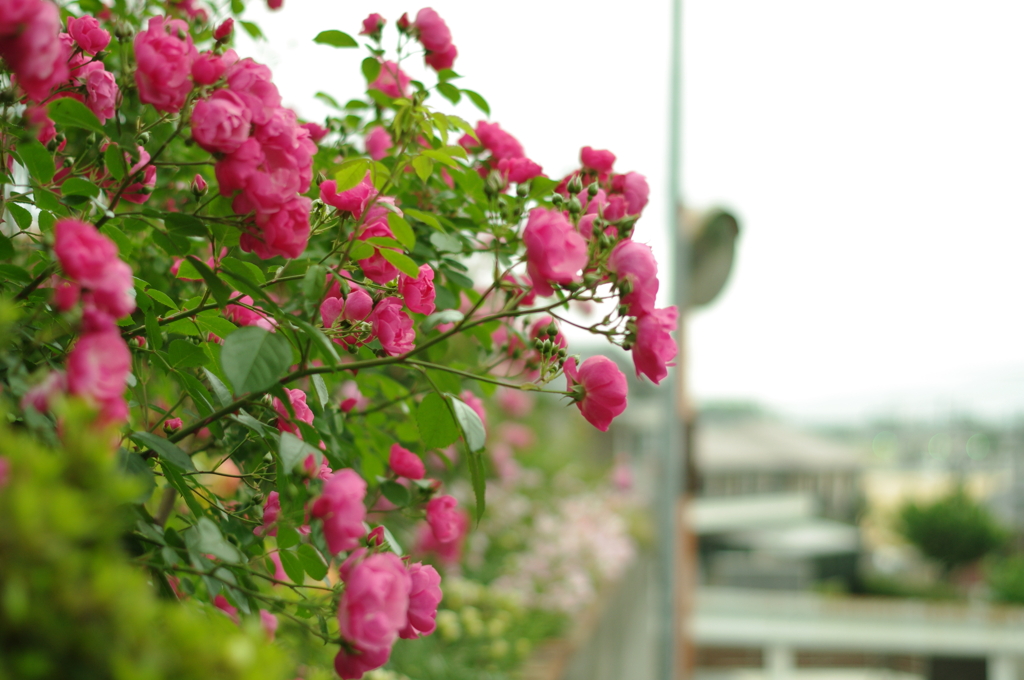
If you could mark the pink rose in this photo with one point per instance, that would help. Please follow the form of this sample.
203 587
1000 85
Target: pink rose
654 348
271 511
234 170
114 294
597 159
199 185
353 398
341 510
634 190
87 34
221 603
515 403
208 68
221 123
283 233
353 665
372 25
424 597
98 367
443 518
418 292
37 118
634 262
500 143
449 552
439 61
375 603
32 48
599 387
164 54
519 170
555 252
392 80
376 267
405 463
42 395
84 253
393 327
302 412
433 32
101 93
316 131
269 623
243 316
352 200
378 142
223 31
251 81
356 307
172 425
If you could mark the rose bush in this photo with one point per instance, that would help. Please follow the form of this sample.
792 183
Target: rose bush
274 322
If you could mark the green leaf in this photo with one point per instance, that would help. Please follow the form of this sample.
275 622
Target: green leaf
321 390
113 159
335 39
294 451
445 243
478 101
371 69
541 186
6 248
438 318
153 334
396 493
21 216
402 231
472 426
437 427
440 156
73 113
360 250
292 566
220 292
245 270
403 262
312 562
237 6
175 479
132 465
384 242
165 449
252 29
208 539
445 381
185 225
426 218
124 245
161 298
424 167
37 160
186 355
327 348
287 537
253 359
313 282
351 173
220 390
78 186
449 92
476 473
392 542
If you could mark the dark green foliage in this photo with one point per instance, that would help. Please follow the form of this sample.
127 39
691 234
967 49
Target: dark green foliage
953 531
71 605
1005 579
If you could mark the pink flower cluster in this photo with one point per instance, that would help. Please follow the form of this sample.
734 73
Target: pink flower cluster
262 152
164 54
30 46
506 153
436 39
383 600
99 362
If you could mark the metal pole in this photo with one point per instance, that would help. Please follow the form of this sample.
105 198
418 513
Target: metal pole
672 469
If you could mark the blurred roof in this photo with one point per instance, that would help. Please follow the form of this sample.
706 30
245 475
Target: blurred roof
763 443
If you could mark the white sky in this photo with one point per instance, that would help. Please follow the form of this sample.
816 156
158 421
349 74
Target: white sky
874 152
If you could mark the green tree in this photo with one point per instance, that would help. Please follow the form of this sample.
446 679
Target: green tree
953 531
